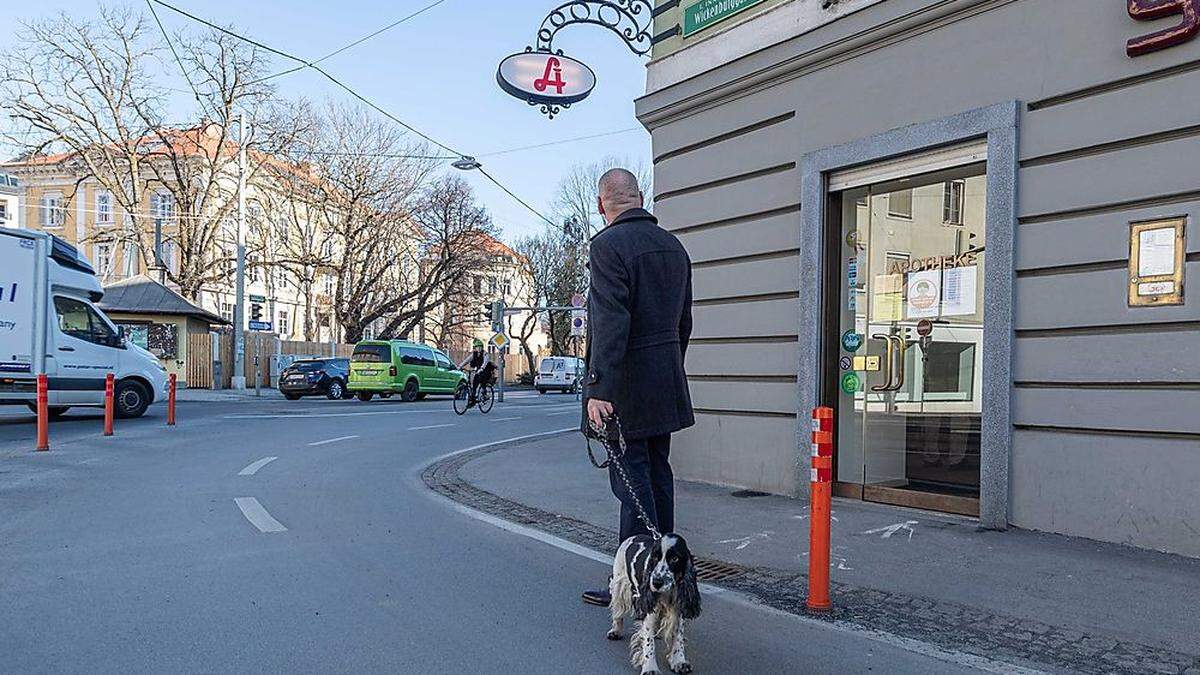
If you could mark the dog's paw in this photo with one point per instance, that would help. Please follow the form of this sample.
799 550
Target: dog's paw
614 635
681 668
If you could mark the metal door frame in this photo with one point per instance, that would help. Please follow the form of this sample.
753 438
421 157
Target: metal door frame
998 124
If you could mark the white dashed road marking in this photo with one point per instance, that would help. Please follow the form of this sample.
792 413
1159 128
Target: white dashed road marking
258 516
253 468
506 419
565 412
332 440
431 426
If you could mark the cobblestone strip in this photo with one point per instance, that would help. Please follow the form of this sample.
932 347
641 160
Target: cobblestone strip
948 625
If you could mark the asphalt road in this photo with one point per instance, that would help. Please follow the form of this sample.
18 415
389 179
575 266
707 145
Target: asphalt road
189 550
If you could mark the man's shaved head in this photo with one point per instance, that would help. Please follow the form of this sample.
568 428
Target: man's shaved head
619 192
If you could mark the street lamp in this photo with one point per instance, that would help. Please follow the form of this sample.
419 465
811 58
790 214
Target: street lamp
466 163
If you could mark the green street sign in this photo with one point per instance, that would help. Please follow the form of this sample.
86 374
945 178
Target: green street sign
850 383
705 13
257 298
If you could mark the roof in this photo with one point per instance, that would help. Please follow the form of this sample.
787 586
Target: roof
142 295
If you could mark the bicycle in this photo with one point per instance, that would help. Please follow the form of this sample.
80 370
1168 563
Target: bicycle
463 402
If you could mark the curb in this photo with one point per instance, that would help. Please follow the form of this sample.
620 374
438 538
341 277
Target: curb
958 633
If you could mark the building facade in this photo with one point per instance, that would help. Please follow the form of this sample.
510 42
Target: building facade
12 198
966 225
58 198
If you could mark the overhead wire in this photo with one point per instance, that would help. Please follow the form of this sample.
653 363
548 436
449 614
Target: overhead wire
357 42
350 91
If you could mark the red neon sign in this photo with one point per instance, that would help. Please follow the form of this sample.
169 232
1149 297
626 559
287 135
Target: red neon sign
544 81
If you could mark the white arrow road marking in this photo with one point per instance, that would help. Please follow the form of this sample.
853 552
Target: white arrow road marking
253 468
332 440
431 426
743 542
889 530
258 516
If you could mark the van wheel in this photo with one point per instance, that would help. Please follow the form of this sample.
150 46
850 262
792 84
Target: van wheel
364 396
131 399
541 391
410 391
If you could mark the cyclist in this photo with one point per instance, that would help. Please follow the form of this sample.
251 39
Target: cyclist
475 364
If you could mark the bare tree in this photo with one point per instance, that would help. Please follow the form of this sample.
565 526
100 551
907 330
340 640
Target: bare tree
555 273
87 90
575 198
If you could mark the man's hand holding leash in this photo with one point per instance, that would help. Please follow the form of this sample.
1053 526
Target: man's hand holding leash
599 412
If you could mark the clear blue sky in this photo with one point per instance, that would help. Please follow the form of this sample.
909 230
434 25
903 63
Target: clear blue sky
437 72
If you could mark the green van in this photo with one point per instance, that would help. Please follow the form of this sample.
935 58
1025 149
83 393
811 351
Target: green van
410 369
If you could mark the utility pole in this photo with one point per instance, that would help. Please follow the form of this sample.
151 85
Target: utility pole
239 306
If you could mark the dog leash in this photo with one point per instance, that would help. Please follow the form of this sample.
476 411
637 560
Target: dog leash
616 459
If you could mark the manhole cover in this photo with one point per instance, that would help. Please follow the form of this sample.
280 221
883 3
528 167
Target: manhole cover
711 570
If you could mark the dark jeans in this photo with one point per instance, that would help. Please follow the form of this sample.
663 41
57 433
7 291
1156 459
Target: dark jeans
647 462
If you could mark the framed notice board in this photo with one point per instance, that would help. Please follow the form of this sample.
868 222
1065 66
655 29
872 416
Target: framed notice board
1157 251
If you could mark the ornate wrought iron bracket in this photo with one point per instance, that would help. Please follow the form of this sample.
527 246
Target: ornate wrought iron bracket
630 20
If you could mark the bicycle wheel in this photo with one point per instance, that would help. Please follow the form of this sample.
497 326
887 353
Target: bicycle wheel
461 399
487 396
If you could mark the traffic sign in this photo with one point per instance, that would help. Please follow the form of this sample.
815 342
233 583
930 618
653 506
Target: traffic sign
500 340
578 300
924 327
261 326
257 298
578 322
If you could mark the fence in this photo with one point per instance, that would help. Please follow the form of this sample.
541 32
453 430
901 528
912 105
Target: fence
200 368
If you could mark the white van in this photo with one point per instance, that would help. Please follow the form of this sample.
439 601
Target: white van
560 373
49 324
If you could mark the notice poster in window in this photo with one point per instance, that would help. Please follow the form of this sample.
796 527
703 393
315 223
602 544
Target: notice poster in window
958 291
887 298
1156 252
924 294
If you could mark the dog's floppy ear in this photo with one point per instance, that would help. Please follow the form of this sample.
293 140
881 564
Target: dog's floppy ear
687 592
646 600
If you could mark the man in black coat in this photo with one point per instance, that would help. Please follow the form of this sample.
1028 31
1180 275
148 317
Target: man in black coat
640 320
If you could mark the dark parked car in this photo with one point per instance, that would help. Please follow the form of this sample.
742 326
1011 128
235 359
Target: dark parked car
315 377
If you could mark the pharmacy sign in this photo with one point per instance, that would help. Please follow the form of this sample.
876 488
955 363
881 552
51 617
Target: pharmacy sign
705 13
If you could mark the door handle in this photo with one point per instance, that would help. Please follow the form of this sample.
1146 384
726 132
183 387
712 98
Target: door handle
901 347
66 349
891 348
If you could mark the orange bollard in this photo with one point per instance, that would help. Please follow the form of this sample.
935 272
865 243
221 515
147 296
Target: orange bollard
43 413
819 515
109 388
171 401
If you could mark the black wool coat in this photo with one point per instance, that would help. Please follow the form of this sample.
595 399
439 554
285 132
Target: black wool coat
639 324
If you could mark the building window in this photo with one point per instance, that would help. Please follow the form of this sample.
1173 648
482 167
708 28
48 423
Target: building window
131 259
54 212
328 280
162 207
104 208
104 261
952 202
3 211
227 311
169 258
900 204
285 327
327 250
281 229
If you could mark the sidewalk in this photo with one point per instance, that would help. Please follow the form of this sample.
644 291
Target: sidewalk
211 395
1043 599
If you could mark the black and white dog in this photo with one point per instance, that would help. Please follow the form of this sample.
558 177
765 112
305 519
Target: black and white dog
655 581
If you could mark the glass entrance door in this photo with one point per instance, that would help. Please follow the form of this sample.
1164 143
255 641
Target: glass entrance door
911 332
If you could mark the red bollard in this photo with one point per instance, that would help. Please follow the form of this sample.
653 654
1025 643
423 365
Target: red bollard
819 514
109 388
43 413
171 401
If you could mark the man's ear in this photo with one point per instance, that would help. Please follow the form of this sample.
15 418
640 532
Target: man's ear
600 205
